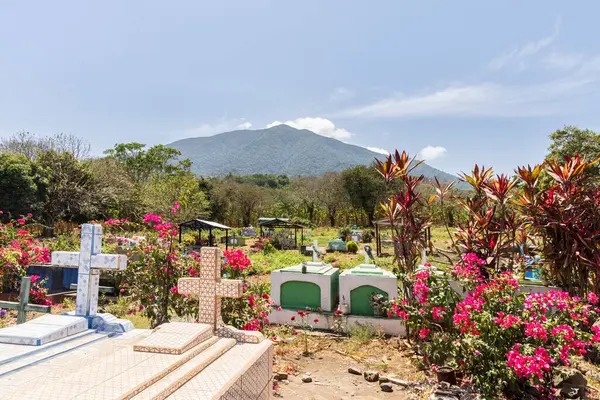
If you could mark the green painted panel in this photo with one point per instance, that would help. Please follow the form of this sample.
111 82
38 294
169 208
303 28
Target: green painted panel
299 295
359 300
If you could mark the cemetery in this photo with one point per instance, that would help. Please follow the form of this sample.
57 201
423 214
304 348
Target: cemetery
158 309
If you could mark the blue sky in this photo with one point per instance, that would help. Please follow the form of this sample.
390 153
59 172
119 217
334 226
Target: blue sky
468 81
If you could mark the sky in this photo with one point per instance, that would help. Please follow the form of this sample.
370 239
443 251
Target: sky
457 83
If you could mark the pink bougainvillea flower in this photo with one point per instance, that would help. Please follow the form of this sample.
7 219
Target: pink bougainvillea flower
423 333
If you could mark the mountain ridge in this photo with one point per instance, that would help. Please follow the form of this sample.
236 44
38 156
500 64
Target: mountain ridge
279 150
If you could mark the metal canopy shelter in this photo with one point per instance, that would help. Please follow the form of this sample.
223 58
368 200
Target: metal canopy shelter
200 225
282 223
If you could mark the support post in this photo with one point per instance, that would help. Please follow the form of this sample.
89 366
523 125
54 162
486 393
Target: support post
226 239
377 239
179 233
23 299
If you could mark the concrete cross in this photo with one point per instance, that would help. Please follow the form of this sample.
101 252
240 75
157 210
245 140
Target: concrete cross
89 261
210 288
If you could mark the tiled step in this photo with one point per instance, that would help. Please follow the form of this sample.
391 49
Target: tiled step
169 380
25 360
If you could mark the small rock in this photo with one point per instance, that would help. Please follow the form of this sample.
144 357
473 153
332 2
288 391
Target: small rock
354 371
384 379
371 376
572 392
402 383
280 376
569 377
442 395
386 387
307 379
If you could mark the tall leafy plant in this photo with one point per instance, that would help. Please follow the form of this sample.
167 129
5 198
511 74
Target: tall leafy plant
492 224
404 208
566 214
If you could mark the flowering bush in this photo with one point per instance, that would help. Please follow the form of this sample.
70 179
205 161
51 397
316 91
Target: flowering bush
251 311
18 250
154 268
501 338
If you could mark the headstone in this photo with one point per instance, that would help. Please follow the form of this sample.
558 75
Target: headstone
210 288
90 262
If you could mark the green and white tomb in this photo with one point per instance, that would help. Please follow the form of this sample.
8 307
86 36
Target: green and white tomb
359 283
309 284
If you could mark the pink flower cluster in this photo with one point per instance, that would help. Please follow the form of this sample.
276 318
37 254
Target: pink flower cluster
236 260
115 222
420 288
529 366
507 321
469 269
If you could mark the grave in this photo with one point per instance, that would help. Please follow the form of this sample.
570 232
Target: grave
358 283
356 236
249 231
309 284
336 245
205 360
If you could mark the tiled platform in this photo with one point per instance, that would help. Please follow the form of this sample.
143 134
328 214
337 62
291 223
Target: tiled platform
111 369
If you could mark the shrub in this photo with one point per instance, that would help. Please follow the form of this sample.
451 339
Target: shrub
154 268
368 236
18 250
492 226
565 213
501 338
352 247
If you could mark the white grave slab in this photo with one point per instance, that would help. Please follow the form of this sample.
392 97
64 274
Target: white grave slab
44 329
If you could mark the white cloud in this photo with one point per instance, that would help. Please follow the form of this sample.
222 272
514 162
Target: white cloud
482 100
216 127
562 61
378 150
519 54
341 94
320 126
245 125
431 152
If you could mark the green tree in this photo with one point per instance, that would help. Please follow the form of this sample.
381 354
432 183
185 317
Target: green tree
571 140
365 189
142 165
70 187
113 193
332 195
22 186
184 188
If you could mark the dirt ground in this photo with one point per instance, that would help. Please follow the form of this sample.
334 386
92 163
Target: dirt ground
329 359
331 380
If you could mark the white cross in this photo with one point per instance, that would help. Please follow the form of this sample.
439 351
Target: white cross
90 261
210 288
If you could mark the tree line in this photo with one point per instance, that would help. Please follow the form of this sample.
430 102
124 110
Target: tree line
56 178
